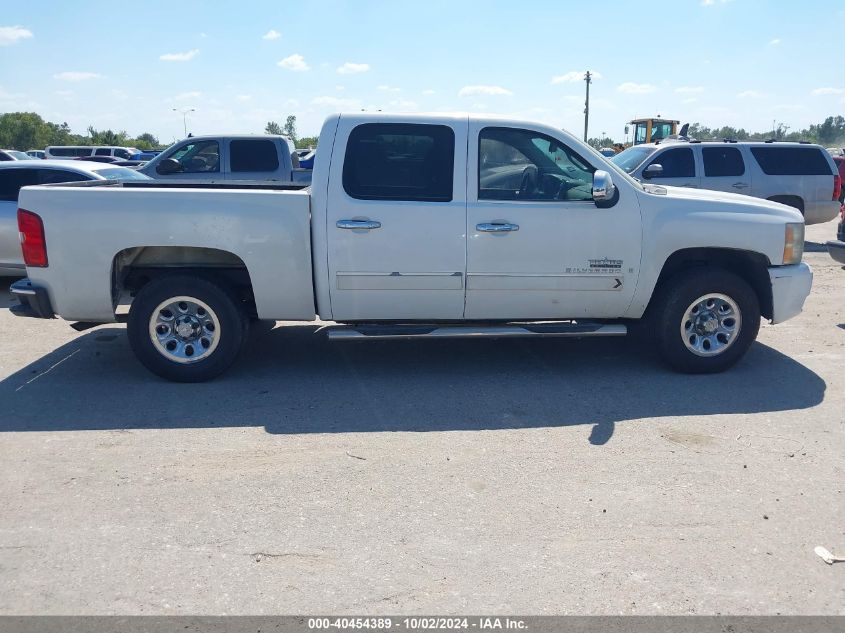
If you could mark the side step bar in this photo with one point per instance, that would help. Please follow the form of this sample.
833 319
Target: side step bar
392 332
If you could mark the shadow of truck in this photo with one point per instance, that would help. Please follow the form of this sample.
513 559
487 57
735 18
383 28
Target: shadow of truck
291 380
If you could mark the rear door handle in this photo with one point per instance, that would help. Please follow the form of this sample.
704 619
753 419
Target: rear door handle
739 185
358 224
496 227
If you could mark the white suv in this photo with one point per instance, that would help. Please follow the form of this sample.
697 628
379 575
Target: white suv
799 175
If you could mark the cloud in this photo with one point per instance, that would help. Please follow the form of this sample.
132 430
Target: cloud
180 57
272 34
775 42
13 34
750 94
429 91
631 88
574 76
388 89
827 91
336 103
472 91
351 68
295 62
73 75
690 100
683 90
187 96
243 97
710 3
403 104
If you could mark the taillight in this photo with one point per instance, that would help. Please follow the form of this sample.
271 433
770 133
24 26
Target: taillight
33 244
837 187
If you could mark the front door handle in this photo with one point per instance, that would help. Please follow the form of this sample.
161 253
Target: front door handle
496 227
739 185
358 224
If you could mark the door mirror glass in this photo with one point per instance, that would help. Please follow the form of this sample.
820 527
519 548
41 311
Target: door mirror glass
603 188
653 171
168 166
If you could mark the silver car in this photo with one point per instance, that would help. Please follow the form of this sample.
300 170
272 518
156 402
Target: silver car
21 173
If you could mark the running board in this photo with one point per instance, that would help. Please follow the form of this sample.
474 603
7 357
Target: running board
392 332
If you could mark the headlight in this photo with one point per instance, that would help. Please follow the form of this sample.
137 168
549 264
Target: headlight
793 243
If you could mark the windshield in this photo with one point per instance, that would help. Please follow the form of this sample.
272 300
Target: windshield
120 173
632 158
19 155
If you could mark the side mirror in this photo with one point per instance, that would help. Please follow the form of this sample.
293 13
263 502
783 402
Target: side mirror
653 171
168 166
603 188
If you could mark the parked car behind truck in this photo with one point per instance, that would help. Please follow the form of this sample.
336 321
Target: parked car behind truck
17 174
214 158
417 227
799 175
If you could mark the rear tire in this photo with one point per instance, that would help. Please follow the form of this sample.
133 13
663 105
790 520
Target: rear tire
704 320
186 328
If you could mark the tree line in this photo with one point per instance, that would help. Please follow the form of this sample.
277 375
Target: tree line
830 133
27 130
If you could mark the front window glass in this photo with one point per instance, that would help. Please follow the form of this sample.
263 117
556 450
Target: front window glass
640 132
660 131
198 157
524 165
676 163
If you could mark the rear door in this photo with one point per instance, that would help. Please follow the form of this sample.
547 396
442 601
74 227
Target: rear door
679 169
254 159
725 169
396 220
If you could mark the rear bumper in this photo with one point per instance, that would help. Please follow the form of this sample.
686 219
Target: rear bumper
790 288
33 301
837 250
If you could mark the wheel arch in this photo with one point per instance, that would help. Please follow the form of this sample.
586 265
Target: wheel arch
134 267
750 266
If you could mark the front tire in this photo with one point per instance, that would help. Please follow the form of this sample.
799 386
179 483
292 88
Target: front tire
705 320
185 328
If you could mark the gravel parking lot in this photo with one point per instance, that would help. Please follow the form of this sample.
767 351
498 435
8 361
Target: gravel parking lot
543 476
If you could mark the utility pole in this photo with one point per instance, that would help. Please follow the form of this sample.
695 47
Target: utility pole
588 77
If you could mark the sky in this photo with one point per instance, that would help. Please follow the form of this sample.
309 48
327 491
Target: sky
128 65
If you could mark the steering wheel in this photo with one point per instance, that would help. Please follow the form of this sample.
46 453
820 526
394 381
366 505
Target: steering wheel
529 181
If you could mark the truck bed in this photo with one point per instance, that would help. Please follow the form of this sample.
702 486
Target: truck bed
105 226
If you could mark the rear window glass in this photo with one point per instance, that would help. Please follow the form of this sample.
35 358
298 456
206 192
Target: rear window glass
11 181
791 161
103 151
722 161
258 155
400 161
49 176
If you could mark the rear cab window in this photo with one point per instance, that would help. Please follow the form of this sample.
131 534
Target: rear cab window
400 161
253 155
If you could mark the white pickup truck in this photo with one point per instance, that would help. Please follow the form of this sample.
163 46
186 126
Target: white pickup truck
416 227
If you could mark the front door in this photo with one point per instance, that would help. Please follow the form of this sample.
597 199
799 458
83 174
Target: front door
396 221
538 246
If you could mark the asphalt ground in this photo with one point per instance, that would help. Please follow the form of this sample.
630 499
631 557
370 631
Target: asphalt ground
534 476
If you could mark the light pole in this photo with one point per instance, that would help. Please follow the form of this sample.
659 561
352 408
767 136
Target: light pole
588 77
184 112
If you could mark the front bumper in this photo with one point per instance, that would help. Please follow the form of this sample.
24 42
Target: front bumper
837 250
33 301
790 288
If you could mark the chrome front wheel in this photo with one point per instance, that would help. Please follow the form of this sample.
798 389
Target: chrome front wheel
711 324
